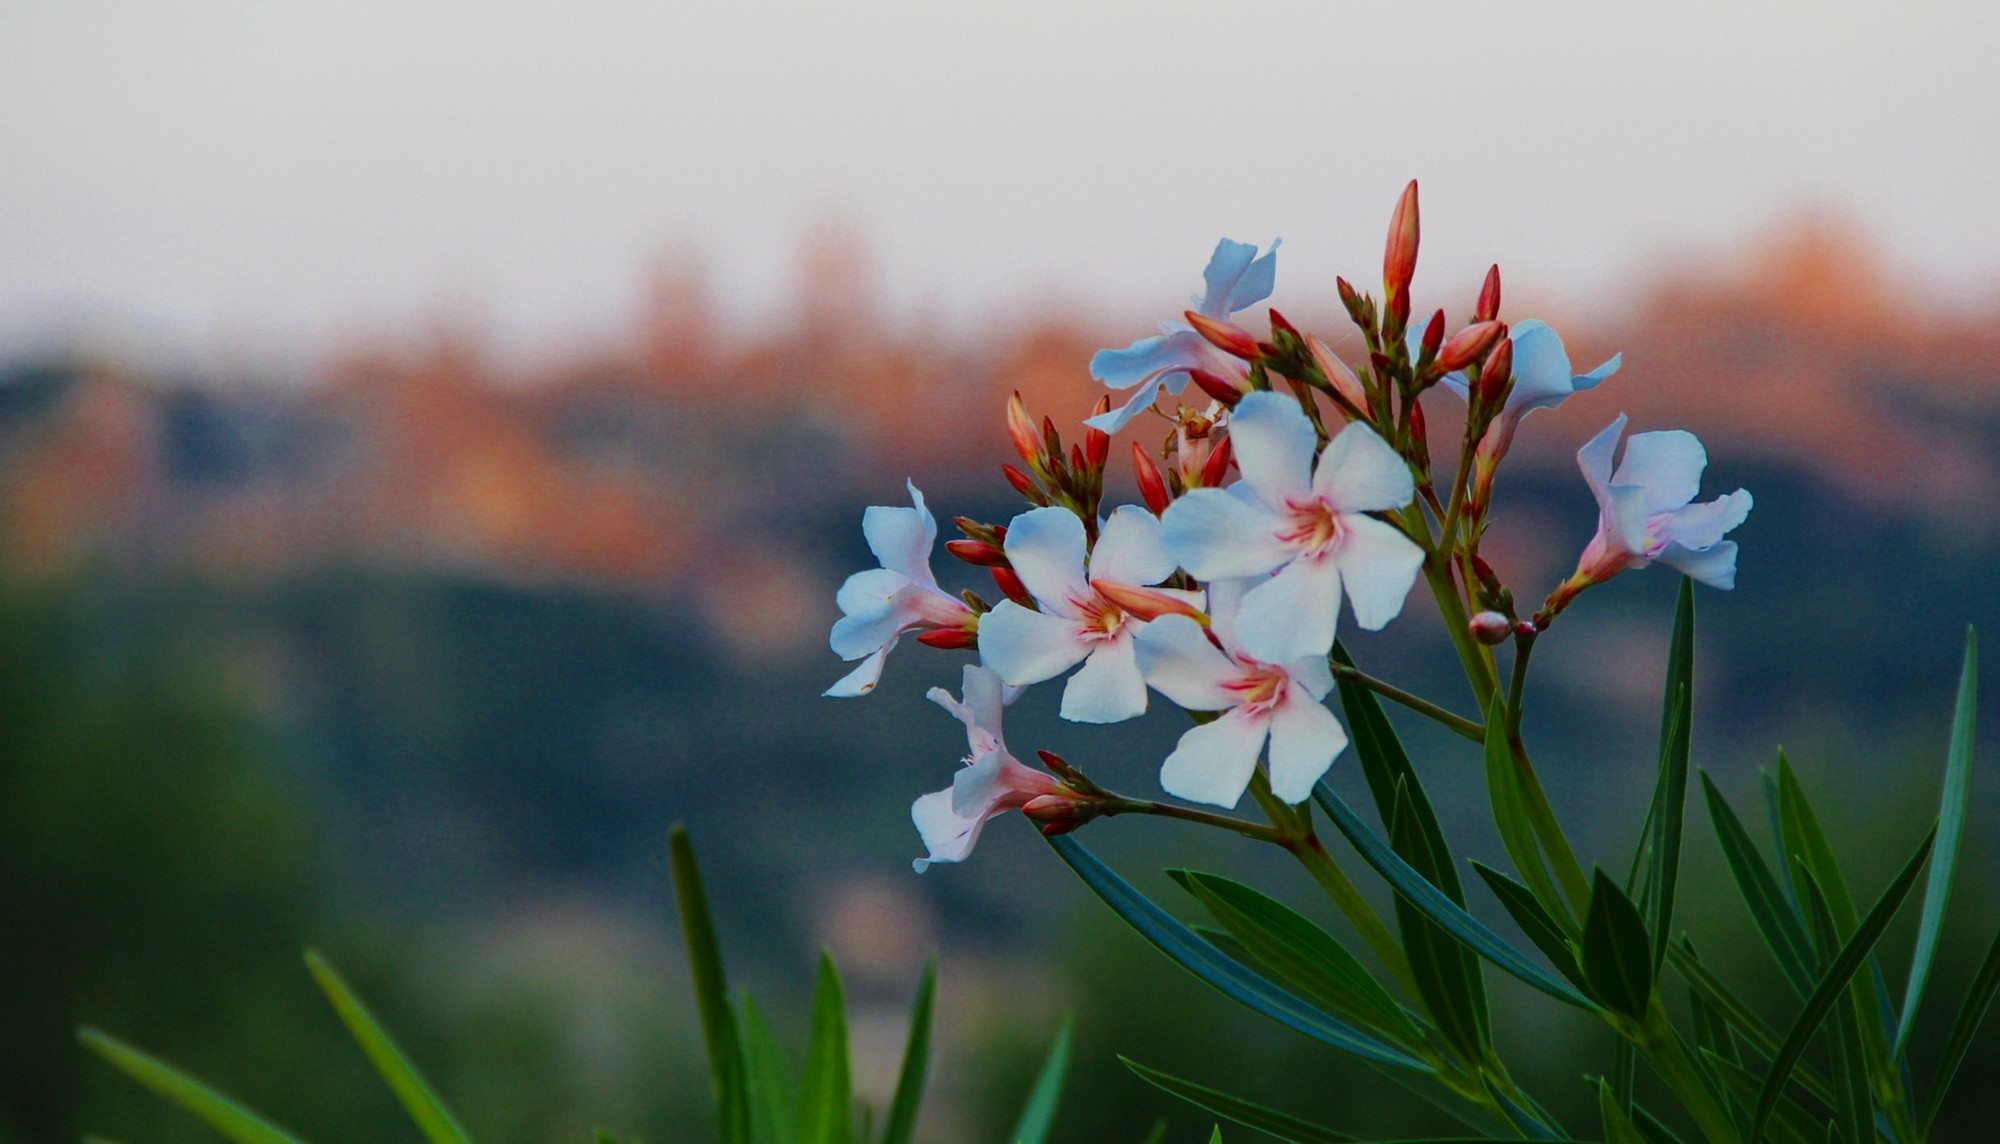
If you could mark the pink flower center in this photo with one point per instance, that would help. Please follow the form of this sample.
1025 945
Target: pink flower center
1098 618
1312 525
1262 686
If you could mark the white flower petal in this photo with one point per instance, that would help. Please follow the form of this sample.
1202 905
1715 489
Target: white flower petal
1216 536
1313 675
1542 376
1623 522
984 697
1305 737
868 594
1667 465
1026 646
901 538
1378 565
855 636
1274 446
1359 472
1715 567
1213 762
1291 615
948 837
863 678
1176 658
1046 546
1700 526
1110 688
1129 549
1225 602
1594 459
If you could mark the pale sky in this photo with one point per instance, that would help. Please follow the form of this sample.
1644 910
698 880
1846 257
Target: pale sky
204 177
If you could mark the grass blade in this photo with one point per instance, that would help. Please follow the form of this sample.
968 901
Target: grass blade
1833 985
902 1123
1984 984
1951 828
1039 1114
1769 907
228 1118
711 991
1248 1113
433 1119
1449 916
1226 975
771 1094
826 1095
1855 1110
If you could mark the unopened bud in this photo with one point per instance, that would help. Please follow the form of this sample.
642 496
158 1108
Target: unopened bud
1076 458
1152 486
1059 813
1338 375
1525 630
1399 258
1419 431
1148 603
1021 431
1491 627
1096 442
1467 346
1221 388
1010 585
1350 299
1051 440
1228 337
1279 325
1434 334
1217 466
951 639
1022 483
1483 570
1494 373
1489 297
976 552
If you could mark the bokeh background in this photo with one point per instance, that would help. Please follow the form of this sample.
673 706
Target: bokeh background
431 434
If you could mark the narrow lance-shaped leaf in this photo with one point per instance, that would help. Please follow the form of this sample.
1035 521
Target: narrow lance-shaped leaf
1617 954
826 1094
1951 828
1985 984
1038 1115
1676 738
1833 985
228 1118
433 1119
1446 974
1510 813
1768 905
902 1123
773 1096
1534 921
1618 1127
1248 1113
711 991
1854 1110
1229 977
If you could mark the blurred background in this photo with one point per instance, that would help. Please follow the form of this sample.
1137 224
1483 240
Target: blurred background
431 435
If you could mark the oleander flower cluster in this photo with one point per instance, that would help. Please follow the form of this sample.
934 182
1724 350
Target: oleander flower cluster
1286 495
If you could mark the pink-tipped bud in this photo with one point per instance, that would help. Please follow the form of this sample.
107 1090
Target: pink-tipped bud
1096 442
1493 374
1483 570
1419 430
1216 467
1338 375
1399 259
1491 627
1467 346
1489 297
1434 334
1152 486
976 552
1022 482
1525 629
1076 458
1021 430
1058 813
950 639
1010 585
1228 337
1223 389
1350 299
1148 603
1280 325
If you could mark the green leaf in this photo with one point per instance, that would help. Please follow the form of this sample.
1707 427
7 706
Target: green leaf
1854 1110
902 1124
1248 1113
1833 985
1531 1125
1711 1030
1740 1017
1951 828
1985 984
1617 954
826 1095
1386 766
1302 953
1215 1137
1227 976
1039 1114
1534 921
711 991
1670 800
228 1118
772 1096
1438 908
1618 1127
1159 1133
1510 813
1791 1123
1446 973
433 1119
1768 906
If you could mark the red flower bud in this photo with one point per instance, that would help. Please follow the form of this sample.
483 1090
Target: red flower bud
1221 388
1350 299
1021 430
1434 334
1152 486
1338 375
1490 627
1489 297
1096 442
976 552
950 639
1467 346
1147 603
1419 432
1011 586
1023 484
1494 373
1483 570
1217 465
1058 813
1076 458
1280 325
1399 258
1228 337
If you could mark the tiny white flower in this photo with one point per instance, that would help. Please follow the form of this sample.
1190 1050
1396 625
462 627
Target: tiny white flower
877 606
1309 525
991 783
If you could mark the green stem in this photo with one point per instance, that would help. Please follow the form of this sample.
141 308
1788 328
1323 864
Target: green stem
1255 831
1655 1039
1478 669
1469 728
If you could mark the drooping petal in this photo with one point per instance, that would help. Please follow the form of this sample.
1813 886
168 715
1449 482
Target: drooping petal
1668 465
948 837
1213 762
1216 536
1359 472
1305 737
901 538
1025 646
855 636
1274 447
864 677
1110 688
1378 566
1292 614
869 594
1236 278
1594 459
1141 400
1714 566
1046 546
1589 380
1700 526
1541 368
1129 549
985 694
1176 659
1144 359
